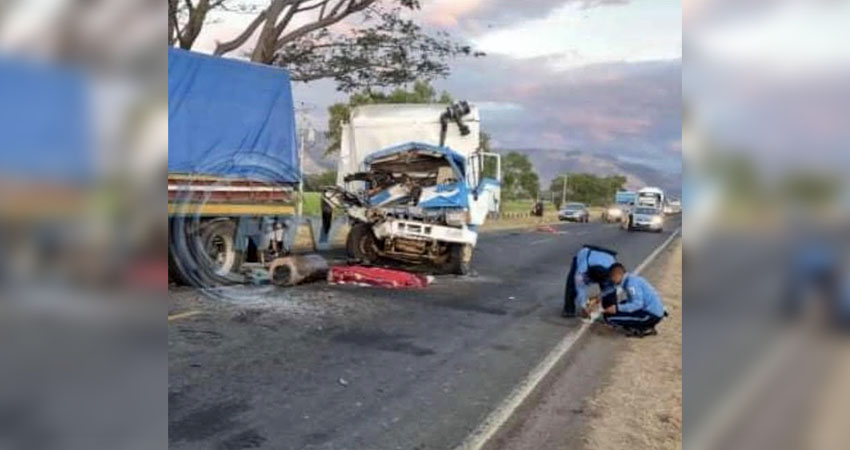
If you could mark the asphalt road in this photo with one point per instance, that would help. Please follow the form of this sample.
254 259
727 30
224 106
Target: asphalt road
342 367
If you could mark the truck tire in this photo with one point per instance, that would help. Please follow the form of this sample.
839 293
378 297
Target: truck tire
362 244
460 259
204 255
218 238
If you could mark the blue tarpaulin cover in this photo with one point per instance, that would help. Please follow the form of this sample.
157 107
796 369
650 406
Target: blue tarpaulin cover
45 123
230 118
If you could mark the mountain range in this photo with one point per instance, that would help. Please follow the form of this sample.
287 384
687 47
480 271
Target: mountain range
549 163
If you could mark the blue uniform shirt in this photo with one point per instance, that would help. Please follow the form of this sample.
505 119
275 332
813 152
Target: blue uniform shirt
585 258
641 296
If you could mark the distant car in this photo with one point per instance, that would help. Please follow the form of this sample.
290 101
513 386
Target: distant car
574 212
645 218
673 207
613 213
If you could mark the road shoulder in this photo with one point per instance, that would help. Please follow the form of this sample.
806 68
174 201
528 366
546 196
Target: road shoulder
615 392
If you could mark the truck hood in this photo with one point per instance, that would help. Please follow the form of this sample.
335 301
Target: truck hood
413 157
404 153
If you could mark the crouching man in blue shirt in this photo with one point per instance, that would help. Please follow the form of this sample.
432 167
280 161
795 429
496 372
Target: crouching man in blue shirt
642 308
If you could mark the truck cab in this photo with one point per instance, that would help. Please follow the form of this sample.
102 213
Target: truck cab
414 184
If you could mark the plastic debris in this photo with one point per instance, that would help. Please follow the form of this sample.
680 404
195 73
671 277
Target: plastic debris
376 276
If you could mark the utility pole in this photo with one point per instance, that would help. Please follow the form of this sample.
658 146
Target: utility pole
306 135
300 210
564 191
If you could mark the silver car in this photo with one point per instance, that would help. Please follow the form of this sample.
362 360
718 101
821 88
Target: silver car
575 212
646 218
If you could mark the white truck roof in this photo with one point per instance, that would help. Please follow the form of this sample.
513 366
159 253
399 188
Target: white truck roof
650 190
376 127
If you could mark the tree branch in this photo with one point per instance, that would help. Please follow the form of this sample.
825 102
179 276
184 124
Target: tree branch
331 19
226 47
290 13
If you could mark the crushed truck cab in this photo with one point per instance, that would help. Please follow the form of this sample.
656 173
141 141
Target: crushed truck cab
417 202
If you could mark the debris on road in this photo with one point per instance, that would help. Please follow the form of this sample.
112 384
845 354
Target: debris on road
548 229
297 269
258 276
376 276
343 382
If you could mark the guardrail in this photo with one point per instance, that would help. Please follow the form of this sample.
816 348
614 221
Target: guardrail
512 215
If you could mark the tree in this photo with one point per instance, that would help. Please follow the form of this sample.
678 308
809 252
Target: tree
519 180
588 188
317 181
386 49
338 113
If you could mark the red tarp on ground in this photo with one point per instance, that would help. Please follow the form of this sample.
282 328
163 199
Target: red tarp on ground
375 276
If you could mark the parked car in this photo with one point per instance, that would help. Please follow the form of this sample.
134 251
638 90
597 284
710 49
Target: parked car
574 212
646 218
613 213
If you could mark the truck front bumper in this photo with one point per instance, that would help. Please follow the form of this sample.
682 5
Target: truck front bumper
396 228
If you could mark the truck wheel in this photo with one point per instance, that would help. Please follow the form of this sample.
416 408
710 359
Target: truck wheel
203 255
362 244
218 238
460 259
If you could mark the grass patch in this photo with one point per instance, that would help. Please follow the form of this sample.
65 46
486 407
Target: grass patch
523 206
312 203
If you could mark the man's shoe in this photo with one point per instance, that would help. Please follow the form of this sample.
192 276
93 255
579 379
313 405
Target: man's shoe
641 333
567 314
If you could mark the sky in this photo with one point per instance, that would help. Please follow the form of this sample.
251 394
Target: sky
600 76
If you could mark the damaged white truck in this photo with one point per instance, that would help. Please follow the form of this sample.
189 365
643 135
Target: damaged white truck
414 184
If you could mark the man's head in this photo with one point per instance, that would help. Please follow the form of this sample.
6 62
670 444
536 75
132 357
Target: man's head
616 273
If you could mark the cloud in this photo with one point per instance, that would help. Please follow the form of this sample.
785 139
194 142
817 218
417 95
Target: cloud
631 110
477 16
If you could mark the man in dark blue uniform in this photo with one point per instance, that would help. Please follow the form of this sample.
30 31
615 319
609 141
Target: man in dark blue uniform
590 266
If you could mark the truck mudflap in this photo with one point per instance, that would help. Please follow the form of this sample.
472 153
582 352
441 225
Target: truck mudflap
396 228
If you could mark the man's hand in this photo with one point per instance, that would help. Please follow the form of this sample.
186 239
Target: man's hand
611 309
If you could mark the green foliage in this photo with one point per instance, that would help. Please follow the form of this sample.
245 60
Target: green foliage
519 180
312 204
588 188
811 189
318 181
338 113
384 47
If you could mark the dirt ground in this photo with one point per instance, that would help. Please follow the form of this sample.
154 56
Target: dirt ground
641 405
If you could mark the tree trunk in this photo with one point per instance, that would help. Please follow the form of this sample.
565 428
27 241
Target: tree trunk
265 49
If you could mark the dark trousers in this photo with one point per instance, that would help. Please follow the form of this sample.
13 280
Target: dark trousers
637 320
571 293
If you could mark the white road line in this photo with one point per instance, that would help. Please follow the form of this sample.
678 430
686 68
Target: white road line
540 241
500 416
